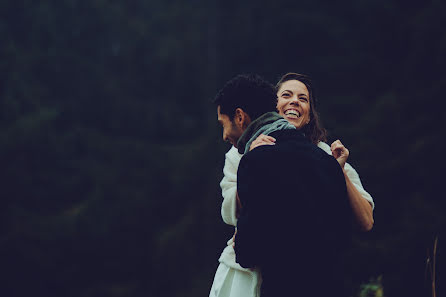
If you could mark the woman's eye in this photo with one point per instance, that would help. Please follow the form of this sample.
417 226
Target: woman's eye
285 95
304 99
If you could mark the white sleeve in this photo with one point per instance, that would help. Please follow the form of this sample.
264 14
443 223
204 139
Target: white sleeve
229 187
354 178
352 175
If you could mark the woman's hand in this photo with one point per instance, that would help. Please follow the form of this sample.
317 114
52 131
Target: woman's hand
262 140
340 152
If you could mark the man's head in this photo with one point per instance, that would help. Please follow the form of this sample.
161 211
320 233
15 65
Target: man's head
242 100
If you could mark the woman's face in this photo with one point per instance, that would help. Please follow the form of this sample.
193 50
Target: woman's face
293 103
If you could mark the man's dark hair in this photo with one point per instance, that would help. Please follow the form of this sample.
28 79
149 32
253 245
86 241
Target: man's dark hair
249 92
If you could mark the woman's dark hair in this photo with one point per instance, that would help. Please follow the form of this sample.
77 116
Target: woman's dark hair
313 130
249 92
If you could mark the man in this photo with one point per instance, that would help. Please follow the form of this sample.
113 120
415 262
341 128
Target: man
295 219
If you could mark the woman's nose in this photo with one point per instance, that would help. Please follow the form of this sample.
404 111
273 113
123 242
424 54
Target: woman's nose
294 100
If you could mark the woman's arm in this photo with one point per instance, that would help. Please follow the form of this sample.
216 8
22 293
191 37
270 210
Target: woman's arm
362 208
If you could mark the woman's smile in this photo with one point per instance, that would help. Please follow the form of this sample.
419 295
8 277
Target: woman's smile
292 114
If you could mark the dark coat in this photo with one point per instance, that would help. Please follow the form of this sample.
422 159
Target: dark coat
295 219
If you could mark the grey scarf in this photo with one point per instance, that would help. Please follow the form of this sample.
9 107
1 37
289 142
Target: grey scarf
265 124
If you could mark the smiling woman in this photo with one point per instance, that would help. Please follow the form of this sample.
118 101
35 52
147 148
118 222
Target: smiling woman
293 103
297 90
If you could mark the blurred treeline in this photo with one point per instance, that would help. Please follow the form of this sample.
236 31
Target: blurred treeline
111 155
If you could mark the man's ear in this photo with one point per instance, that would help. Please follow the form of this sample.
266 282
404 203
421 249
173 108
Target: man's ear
241 119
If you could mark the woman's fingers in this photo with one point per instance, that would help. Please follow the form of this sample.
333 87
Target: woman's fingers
255 144
336 145
266 138
262 140
340 152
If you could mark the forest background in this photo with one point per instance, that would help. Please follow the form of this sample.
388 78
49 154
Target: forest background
111 154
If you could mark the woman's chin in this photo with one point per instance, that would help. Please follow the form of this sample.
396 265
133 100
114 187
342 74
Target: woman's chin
297 123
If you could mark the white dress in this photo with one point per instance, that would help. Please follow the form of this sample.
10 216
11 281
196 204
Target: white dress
232 280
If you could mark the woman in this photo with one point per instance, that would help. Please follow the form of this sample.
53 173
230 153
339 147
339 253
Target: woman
296 104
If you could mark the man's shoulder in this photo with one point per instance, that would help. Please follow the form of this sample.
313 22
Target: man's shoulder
264 154
287 144
294 141
287 155
293 137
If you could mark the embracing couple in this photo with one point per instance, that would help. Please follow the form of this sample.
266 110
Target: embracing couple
293 198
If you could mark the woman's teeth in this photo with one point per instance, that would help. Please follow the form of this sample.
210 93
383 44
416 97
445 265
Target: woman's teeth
292 113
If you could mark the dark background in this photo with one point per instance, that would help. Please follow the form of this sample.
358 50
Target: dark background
111 154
